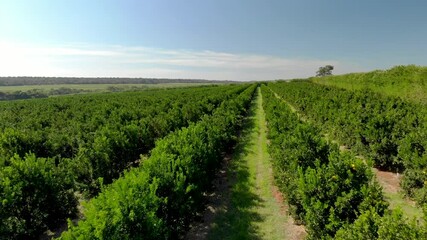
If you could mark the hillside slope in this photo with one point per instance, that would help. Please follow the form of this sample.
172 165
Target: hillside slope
408 82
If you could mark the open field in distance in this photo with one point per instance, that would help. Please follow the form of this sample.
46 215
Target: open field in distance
96 87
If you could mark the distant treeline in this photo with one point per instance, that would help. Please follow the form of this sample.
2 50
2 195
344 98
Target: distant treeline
21 95
38 93
18 81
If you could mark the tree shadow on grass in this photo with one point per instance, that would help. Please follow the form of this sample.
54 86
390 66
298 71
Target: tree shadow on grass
235 220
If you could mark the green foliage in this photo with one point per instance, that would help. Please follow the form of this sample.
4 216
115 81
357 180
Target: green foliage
92 139
159 199
335 193
365 227
336 196
414 147
22 95
127 210
372 125
325 71
408 82
387 130
325 189
392 225
103 133
413 179
34 195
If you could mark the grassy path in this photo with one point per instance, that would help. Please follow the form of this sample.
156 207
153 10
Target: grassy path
393 194
254 209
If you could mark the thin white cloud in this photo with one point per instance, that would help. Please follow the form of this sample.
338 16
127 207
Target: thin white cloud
123 61
77 52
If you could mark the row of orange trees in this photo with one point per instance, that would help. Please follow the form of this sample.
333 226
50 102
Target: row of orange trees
51 148
387 130
159 199
332 193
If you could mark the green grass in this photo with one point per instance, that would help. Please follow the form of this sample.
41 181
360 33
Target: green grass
409 209
407 82
95 87
252 211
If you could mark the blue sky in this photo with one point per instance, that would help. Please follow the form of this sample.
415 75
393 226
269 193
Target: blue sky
210 39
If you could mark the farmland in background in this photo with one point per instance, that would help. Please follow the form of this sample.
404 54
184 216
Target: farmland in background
27 90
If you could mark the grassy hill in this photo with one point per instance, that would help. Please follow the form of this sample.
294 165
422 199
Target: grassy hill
408 82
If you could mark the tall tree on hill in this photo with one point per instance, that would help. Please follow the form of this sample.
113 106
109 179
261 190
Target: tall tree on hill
325 71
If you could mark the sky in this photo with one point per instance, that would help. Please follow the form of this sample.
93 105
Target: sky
208 39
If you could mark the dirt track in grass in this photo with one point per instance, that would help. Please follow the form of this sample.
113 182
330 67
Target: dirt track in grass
245 203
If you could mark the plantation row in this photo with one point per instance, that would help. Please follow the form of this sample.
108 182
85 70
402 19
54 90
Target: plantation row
332 193
158 199
391 132
50 148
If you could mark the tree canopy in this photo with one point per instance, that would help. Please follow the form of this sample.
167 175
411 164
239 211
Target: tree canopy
325 71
